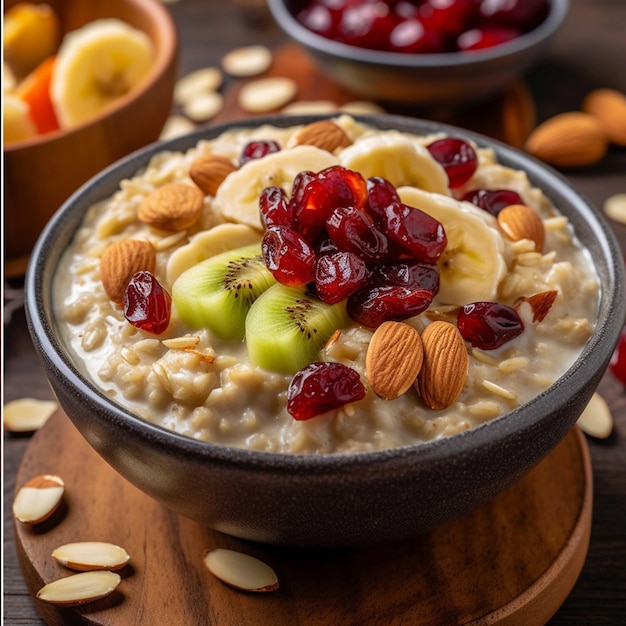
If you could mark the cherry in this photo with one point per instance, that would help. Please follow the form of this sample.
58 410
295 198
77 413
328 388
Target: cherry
617 365
493 200
288 256
371 306
516 13
488 325
258 149
322 387
448 17
147 305
366 25
457 157
339 275
408 273
413 37
273 206
486 37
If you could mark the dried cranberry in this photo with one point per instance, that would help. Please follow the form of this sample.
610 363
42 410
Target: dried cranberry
258 149
457 157
518 13
409 273
366 25
413 37
371 306
381 193
493 200
448 17
288 256
618 360
325 245
488 325
339 275
319 19
419 234
486 37
147 305
322 387
273 206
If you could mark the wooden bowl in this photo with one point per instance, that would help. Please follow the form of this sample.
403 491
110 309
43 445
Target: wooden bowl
41 173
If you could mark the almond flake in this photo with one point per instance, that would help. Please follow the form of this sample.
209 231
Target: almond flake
88 556
596 420
27 414
240 570
247 61
79 588
267 94
38 499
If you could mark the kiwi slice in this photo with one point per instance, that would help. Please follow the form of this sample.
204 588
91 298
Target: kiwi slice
286 328
218 292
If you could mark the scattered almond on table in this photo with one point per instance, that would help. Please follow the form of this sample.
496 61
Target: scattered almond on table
80 588
240 570
27 414
596 420
38 499
86 556
615 207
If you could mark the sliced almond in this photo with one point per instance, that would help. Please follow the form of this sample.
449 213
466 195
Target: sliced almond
267 94
240 570
203 106
121 261
444 369
518 221
38 499
540 303
247 61
208 171
86 556
172 207
596 420
79 588
324 134
27 414
393 360
204 80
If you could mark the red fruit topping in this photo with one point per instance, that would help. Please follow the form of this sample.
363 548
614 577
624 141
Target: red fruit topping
618 360
352 230
147 305
288 256
258 149
486 37
371 306
523 14
339 275
419 234
273 205
326 246
366 25
412 37
322 387
409 273
493 200
457 157
488 325
448 17
331 188
381 193
320 20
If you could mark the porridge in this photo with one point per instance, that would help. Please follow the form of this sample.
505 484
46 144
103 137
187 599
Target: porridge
486 262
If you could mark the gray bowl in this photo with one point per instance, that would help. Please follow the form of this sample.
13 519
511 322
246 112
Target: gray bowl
333 500
421 78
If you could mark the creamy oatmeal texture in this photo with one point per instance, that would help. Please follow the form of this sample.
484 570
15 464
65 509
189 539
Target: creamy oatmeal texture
189 381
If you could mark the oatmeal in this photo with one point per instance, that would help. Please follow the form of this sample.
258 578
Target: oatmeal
220 366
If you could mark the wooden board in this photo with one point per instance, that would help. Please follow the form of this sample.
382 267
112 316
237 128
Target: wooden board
512 562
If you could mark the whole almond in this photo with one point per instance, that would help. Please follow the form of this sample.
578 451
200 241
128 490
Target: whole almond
324 134
519 114
572 139
208 171
38 499
609 107
444 369
121 261
393 360
518 221
172 207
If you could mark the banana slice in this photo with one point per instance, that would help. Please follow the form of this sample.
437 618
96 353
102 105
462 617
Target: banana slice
96 65
472 265
237 198
398 159
208 243
16 121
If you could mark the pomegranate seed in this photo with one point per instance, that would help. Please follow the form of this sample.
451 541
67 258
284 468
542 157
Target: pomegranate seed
493 200
371 306
288 256
488 325
381 193
420 234
618 360
147 305
322 387
274 209
457 157
410 273
486 37
351 230
258 149
339 275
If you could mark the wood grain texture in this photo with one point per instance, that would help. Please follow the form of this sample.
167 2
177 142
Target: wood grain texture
513 561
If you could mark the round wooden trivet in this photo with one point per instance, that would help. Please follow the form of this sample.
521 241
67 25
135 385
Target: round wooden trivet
513 561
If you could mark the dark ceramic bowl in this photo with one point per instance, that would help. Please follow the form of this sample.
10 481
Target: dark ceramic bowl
325 500
450 78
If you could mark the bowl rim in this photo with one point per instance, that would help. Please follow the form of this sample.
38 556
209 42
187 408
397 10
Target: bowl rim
330 48
166 51
39 314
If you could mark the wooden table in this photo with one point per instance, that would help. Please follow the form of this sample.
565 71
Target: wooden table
588 52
